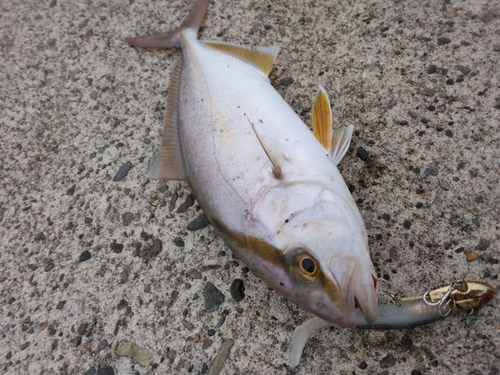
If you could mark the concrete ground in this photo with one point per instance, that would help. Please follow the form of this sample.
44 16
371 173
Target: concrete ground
103 273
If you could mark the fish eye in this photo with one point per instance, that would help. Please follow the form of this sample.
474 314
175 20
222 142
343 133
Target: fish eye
306 266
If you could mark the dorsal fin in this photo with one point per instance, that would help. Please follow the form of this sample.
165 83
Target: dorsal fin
261 58
170 162
322 119
276 166
340 143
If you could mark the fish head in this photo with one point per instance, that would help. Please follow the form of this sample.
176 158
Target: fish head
326 263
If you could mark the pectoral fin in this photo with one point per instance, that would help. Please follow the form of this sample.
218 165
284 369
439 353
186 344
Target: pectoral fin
336 142
261 58
340 143
170 162
322 119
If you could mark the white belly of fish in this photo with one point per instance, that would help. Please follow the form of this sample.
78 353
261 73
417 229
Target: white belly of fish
224 161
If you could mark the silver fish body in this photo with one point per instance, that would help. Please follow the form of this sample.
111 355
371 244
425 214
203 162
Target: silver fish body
268 185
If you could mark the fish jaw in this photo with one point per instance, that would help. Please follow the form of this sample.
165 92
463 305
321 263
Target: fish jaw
310 221
359 282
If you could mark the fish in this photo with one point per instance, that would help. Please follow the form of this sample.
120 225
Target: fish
268 184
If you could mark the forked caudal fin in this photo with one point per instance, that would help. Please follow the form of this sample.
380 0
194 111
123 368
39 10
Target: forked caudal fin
171 39
170 163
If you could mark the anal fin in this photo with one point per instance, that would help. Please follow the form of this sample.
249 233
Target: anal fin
169 163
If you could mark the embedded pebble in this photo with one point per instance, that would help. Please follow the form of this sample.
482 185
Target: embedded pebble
362 154
186 204
391 103
444 184
212 297
40 237
106 370
463 69
157 247
116 247
430 171
179 242
137 353
71 190
84 256
90 371
429 92
483 245
207 344
218 363
194 273
127 218
199 223
387 361
209 267
237 290
122 172
82 328
103 344
49 267
406 341
472 256
121 305
189 326
287 81
443 40
431 69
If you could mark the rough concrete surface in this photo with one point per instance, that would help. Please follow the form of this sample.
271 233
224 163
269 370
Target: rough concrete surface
90 259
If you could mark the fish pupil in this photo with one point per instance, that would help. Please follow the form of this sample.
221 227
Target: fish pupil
308 265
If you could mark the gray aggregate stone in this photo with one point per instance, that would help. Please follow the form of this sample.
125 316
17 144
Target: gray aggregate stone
443 40
106 370
122 172
388 361
186 204
127 218
212 297
103 344
199 223
237 290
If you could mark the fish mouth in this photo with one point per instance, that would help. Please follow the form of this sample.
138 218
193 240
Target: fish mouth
366 296
357 288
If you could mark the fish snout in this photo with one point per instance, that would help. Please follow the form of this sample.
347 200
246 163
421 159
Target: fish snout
357 286
366 294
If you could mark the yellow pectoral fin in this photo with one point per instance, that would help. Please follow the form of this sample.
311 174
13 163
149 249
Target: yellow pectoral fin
261 58
322 119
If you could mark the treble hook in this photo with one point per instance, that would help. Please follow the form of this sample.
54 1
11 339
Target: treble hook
442 303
